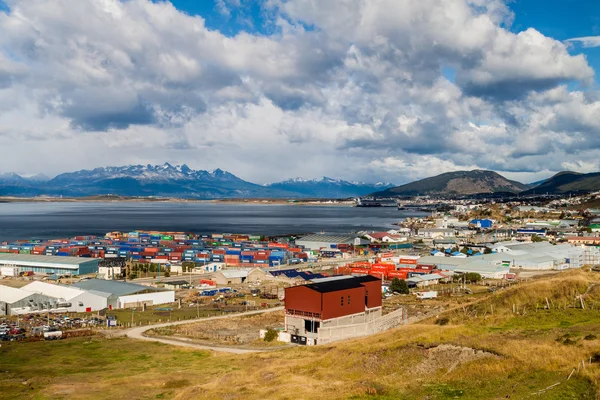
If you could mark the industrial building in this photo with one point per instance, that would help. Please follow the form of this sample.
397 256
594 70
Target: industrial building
332 309
324 241
15 301
51 265
127 295
69 299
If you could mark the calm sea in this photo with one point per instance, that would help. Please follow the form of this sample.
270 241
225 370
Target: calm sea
60 220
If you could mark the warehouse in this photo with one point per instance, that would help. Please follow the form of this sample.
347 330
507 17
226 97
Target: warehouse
70 299
128 294
15 301
51 265
323 241
231 276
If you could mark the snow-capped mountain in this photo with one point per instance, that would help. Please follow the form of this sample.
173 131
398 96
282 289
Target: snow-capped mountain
175 181
328 187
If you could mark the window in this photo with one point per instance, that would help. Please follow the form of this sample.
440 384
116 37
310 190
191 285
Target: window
342 300
348 300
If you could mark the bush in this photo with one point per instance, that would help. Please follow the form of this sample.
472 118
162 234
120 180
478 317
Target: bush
590 337
399 286
442 321
271 335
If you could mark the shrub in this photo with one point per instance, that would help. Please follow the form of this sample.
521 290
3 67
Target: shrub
590 337
442 321
399 286
271 335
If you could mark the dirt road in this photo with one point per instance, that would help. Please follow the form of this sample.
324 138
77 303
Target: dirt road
138 333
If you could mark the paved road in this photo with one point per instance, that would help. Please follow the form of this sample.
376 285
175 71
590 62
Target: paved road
138 333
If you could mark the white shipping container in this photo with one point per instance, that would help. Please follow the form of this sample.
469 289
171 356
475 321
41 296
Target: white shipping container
9 271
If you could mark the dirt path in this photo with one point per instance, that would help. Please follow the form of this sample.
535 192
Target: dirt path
138 333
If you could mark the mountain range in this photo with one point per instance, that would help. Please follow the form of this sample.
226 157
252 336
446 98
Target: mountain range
180 181
175 181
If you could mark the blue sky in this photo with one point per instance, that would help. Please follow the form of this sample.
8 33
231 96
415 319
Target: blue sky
561 20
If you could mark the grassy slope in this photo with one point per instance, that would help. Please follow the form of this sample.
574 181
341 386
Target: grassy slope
532 353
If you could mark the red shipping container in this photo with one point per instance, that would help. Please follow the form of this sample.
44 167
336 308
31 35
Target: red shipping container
407 261
360 270
218 251
378 274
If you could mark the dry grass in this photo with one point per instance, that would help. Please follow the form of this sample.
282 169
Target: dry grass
529 353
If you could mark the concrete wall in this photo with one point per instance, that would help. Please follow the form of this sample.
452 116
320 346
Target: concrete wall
376 324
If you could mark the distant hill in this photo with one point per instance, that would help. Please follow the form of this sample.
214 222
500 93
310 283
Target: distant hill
178 181
568 182
328 187
456 183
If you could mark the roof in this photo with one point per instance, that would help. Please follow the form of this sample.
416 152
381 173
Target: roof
12 295
317 237
44 261
353 282
113 287
235 273
53 290
334 286
367 278
177 283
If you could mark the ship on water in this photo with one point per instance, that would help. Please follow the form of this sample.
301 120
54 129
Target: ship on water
372 202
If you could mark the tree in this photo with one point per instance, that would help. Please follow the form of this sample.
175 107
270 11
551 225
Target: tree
167 272
399 286
487 250
472 277
464 250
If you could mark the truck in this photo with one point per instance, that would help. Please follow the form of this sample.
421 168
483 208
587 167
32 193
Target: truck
432 294
55 335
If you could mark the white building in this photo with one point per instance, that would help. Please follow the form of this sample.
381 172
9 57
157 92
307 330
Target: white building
126 294
70 299
15 301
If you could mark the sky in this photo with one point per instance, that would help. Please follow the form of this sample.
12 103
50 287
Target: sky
369 90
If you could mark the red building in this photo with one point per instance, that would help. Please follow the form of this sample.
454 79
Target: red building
335 301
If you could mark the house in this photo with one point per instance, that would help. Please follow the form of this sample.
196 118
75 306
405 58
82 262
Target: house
174 285
424 280
319 311
436 233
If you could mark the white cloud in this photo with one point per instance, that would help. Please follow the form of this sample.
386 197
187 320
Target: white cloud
348 88
587 41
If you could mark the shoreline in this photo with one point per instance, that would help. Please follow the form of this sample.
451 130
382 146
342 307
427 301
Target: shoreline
115 199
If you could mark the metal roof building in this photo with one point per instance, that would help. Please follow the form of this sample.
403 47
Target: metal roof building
50 264
15 301
128 294
318 241
69 299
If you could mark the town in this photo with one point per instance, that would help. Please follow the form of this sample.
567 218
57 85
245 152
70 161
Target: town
319 287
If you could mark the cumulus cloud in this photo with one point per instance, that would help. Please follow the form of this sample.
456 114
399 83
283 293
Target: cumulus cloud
348 88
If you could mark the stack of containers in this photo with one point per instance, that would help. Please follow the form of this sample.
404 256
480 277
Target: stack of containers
261 258
233 255
276 257
381 270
